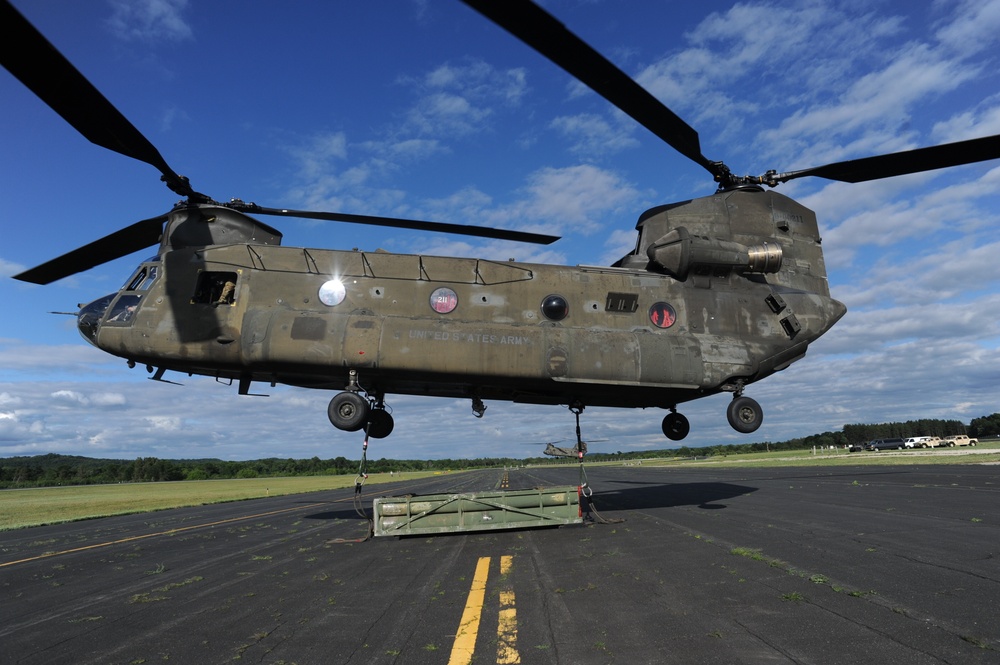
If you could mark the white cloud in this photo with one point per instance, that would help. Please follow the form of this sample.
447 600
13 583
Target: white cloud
149 20
594 135
165 423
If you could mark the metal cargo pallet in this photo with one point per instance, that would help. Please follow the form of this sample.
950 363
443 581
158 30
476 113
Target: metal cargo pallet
477 511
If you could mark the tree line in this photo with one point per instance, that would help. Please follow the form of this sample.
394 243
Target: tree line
53 469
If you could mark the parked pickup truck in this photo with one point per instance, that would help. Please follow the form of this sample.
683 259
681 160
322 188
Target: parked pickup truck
959 440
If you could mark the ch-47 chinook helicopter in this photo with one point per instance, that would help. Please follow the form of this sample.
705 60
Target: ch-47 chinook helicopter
718 293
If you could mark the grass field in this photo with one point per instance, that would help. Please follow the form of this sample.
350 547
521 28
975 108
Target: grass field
49 505
987 452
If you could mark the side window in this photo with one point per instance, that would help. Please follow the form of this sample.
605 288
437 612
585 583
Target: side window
137 279
150 275
215 288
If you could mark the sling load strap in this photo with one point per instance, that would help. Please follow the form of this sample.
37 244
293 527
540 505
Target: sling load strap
586 491
359 482
362 476
587 501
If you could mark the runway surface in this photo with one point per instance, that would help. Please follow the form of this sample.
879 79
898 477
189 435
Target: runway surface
790 565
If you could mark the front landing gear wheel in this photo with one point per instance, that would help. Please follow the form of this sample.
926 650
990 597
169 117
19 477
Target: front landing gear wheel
744 414
675 426
348 411
380 424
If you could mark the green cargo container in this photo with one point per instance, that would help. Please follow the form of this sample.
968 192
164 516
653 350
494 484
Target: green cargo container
477 511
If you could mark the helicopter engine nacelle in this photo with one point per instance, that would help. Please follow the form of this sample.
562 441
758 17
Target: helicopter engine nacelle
679 253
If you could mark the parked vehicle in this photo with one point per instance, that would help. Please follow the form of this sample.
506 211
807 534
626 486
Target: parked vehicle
931 442
856 447
885 444
959 440
915 441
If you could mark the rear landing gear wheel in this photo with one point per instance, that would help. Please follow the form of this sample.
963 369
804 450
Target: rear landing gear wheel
348 411
744 414
380 424
675 426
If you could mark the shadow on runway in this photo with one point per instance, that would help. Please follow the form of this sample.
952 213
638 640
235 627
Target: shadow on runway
345 514
669 495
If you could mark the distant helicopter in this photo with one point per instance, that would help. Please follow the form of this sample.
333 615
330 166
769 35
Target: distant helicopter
577 450
718 293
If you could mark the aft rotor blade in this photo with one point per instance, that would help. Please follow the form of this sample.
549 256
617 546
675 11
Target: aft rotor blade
542 32
395 222
29 56
903 163
120 243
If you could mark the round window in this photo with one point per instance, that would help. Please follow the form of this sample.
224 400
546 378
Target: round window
555 308
332 292
662 315
444 300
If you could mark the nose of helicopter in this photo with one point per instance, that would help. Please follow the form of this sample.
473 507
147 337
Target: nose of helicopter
88 319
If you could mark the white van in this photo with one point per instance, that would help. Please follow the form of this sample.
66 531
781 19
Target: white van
916 441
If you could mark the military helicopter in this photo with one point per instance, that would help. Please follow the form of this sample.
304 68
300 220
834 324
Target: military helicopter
575 451
719 292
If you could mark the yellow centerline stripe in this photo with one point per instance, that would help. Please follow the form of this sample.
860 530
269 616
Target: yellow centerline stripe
468 627
507 631
507 653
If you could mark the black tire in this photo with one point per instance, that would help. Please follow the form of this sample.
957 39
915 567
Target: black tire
745 415
675 426
380 424
348 411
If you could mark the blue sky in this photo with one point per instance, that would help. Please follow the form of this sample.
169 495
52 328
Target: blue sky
427 110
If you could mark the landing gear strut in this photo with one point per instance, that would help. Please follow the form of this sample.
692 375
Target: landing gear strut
351 411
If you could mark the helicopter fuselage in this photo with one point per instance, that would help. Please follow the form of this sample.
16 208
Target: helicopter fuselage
623 336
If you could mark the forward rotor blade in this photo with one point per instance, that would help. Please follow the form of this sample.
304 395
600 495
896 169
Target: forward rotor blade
395 222
120 243
29 56
903 163
542 32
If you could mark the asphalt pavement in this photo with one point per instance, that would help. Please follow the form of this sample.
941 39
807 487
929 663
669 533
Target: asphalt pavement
676 565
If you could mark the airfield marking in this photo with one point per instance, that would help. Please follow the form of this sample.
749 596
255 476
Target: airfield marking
161 533
468 627
507 653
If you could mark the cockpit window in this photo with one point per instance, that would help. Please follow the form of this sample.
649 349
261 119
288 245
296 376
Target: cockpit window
150 276
124 309
142 279
215 288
